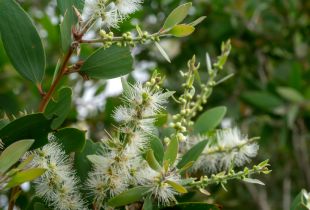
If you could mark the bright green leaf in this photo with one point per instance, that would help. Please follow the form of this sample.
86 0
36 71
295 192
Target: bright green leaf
130 196
72 139
192 154
158 148
253 181
209 120
179 188
25 176
21 41
150 158
197 21
177 16
182 30
108 63
13 153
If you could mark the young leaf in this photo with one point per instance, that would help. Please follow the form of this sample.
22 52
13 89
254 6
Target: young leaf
21 41
209 120
177 16
13 153
25 176
179 188
162 52
59 108
172 151
182 30
151 160
33 126
290 94
197 21
108 63
129 196
192 154
72 139
253 181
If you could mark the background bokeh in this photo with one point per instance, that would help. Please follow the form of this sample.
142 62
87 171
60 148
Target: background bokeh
269 96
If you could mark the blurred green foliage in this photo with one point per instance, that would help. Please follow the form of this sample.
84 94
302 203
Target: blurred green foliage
269 96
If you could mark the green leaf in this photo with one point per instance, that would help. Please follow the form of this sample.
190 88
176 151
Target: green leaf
33 126
263 100
290 94
65 32
129 196
21 41
192 206
13 153
81 164
162 52
147 205
179 188
108 63
70 19
72 139
151 160
158 148
25 176
177 16
197 21
253 181
4 122
182 30
209 120
192 154
301 201
172 151
59 108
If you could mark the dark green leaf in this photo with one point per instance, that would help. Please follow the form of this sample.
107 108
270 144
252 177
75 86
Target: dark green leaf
262 100
108 63
72 139
129 196
59 108
172 151
21 41
33 126
65 32
13 153
192 206
147 205
209 119
81 164
192 154
177 16
158 148
25 176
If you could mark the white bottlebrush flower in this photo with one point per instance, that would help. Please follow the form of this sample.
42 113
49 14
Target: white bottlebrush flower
229 147
58 185
126 7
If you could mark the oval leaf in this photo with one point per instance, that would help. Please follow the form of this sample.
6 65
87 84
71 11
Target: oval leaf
192 154
13 153
25 176
172 151
108 63
33 126
179 188
72 139
209 119
263 100
177 16
290 94
129 196
182 30
158 148
21 41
